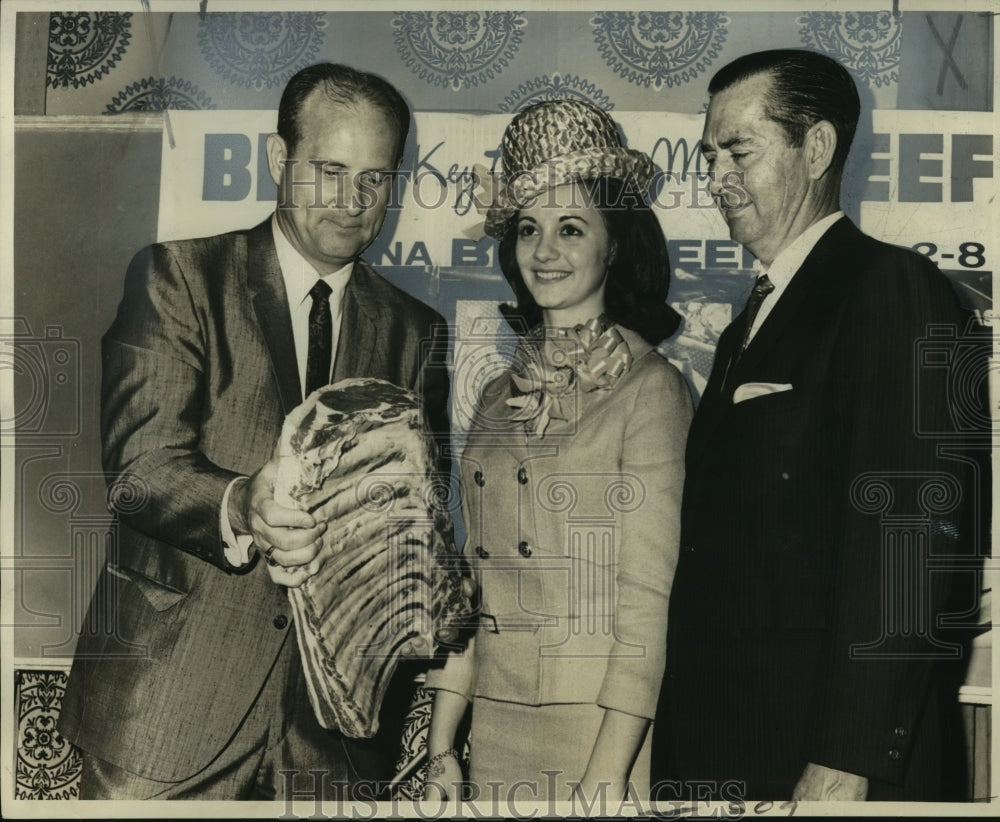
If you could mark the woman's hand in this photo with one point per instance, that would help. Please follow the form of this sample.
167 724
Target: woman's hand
443 769
444 777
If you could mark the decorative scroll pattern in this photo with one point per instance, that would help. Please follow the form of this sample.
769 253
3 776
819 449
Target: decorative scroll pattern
48 767
418 720
867 42
458 49
261 50
660 49
159 94
555 87
84 46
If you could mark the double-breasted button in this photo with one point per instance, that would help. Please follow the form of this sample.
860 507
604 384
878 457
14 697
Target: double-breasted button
522 476
479 479
894 754
687 548
281 622
900 732
524 549
481 552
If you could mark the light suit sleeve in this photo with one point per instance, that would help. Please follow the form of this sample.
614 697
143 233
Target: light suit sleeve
653 454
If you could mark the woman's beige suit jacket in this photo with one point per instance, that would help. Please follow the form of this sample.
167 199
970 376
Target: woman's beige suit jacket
574 539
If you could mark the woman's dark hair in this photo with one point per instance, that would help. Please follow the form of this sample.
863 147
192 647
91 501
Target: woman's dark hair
635 293
806 87
344 85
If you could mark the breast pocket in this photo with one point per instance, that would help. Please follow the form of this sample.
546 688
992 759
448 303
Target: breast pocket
783 402
766 430
160 595
147 614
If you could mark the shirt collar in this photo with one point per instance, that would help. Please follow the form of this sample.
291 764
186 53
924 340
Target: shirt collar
790 259
299 274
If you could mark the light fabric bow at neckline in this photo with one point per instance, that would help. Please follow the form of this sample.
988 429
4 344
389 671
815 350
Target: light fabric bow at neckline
553 365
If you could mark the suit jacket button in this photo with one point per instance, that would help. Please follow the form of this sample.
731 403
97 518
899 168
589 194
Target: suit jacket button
281 622
900 732
524 549
482 552
688 548
895 755
522 476
479 479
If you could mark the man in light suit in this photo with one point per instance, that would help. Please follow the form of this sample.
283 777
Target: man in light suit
792 672
187 681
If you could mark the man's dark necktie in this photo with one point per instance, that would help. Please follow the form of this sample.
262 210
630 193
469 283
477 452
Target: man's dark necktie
320 338
761 289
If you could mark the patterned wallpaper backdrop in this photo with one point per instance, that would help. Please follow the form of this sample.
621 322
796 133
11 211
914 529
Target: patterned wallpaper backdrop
498 61
48 767
464 61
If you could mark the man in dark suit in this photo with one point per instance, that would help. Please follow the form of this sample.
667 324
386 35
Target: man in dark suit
805 658
187 681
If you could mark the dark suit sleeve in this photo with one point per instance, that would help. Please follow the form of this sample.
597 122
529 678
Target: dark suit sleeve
433 385
879 664
152 402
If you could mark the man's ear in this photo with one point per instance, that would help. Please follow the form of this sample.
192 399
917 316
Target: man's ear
277 153
821 144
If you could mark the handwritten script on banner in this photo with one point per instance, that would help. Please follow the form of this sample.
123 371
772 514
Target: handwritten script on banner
919 183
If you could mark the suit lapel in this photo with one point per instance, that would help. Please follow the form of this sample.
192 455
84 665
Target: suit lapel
815 282
714 400
270 303
358 336
812 290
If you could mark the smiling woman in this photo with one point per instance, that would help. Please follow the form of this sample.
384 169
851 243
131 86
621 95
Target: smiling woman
604 218
562 251
582 441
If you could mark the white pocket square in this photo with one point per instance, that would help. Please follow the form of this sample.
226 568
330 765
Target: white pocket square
749 390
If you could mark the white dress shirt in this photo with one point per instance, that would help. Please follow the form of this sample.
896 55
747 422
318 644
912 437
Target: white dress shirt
784 266
299 276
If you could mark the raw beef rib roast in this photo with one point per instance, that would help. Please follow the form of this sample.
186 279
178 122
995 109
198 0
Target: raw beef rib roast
356 455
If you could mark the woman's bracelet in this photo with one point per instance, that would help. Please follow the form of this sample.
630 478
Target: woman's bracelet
434 768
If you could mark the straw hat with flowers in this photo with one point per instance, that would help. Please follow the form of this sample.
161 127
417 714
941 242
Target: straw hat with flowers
556 142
